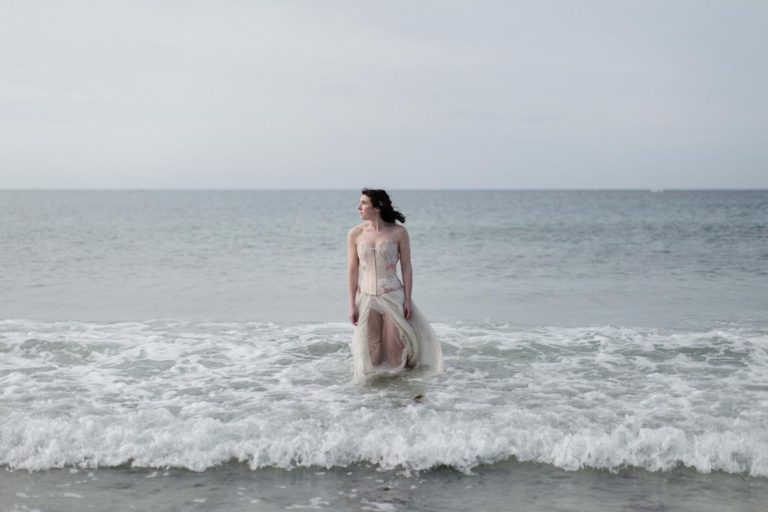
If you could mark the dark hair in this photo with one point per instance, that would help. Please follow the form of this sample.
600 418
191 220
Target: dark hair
380 199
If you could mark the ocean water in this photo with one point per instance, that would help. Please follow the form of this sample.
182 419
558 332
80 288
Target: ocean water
604 350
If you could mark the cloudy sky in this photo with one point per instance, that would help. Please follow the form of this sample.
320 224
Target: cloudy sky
398 94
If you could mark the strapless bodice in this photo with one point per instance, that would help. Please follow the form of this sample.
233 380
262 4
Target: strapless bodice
378 268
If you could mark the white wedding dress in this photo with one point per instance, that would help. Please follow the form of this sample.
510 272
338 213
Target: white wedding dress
383 339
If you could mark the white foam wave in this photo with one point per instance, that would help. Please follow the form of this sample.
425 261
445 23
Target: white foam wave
196 395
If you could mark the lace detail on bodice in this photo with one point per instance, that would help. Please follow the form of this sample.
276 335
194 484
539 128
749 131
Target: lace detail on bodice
378 268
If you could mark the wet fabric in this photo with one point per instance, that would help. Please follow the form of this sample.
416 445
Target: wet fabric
383 339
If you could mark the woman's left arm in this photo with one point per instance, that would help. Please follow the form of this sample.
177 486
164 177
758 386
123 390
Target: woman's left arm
407 271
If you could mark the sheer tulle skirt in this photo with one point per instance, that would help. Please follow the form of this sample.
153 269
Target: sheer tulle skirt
384 340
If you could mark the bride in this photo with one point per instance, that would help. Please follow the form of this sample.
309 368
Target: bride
390 331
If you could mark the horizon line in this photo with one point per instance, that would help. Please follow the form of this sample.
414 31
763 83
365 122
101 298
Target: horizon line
596 189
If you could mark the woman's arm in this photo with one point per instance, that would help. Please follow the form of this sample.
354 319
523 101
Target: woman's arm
407 271
353 269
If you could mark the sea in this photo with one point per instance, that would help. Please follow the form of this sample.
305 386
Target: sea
189 350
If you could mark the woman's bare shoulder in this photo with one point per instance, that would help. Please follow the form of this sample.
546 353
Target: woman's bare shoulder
355 231
400 232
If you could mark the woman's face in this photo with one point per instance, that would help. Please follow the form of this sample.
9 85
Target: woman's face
365 208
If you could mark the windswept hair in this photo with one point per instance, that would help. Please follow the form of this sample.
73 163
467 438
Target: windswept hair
380 199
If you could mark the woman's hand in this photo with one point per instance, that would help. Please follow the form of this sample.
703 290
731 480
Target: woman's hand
353 314
407 309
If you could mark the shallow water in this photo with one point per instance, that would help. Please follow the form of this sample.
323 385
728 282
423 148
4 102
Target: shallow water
498 487
196 395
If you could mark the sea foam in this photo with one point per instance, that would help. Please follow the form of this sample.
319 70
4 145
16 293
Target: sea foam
178 394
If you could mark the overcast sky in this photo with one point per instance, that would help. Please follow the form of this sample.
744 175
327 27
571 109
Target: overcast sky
398 94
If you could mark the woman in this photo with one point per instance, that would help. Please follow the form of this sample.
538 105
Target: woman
390 332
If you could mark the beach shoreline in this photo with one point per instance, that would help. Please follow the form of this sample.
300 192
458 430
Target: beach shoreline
234 486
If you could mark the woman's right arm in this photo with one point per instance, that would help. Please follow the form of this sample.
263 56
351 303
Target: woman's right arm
353 268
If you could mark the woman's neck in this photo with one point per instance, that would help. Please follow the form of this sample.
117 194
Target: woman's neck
376 224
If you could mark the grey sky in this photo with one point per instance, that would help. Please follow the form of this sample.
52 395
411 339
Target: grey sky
399 94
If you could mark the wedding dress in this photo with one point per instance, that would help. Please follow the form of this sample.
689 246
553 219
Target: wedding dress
383 338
